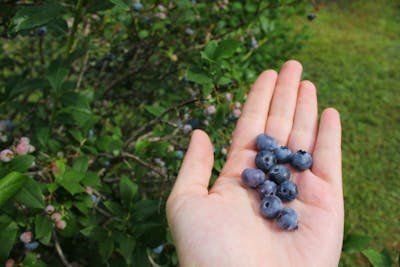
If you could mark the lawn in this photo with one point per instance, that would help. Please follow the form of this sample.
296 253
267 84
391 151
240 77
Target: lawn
353 57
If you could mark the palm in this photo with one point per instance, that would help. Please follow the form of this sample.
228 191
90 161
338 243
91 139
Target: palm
223 226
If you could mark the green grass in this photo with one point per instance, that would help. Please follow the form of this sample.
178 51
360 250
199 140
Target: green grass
353 57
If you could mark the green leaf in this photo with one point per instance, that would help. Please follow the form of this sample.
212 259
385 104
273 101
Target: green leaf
43 227
127 189
226 48
32 260
198 77
224 81
27 86
81 164
10 185
156 111
120 3
355 242
70 181
109 143
140 257
32 16
106 247
141 145
56 75
79 115
209 50
31 195
114 207
8 235
126 247
376 258
76 134
92 179
143 34
21 163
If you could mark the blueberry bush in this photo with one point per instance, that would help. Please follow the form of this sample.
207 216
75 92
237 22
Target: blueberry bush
97 99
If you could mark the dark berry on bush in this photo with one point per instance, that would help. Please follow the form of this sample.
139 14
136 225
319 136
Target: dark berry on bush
41 31
271 206
137 7
268 188
287 191
195 123
253 177
265 160
266 142
311 16
287 219
279 174
301 160
282 154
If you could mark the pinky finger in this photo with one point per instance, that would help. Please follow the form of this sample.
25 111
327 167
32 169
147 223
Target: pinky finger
327 155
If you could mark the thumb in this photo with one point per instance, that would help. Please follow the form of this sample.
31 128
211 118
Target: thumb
195 172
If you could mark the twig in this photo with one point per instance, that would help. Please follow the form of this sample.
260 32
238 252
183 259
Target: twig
143 163
156 120
83 70
59 250
105 213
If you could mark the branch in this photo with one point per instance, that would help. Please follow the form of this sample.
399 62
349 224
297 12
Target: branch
144 164
59 250
156 120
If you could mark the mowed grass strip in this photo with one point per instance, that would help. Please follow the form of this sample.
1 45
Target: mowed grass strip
353 57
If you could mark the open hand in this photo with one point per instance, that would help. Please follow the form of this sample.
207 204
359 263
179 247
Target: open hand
223 226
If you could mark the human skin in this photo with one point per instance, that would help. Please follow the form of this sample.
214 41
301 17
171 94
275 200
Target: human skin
223 226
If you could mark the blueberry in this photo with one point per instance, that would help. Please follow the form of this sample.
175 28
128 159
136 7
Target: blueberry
301 160
282 154
253 43
179 154
41 31
279 173
8 124
271 206
311 16
253 177
287 219
265 160
266 142
195 123
94 198
137 7
32 246
268 188
109 56
287 191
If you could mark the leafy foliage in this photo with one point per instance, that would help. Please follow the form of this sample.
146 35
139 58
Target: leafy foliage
107 94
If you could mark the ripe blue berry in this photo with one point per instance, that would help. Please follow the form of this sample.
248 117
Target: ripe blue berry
311 16
287 191
268 188
279 174
253 177
179 154
282 154
266 142
287 219
271 206
137 7
301 160
8 124
41 31
32 246
265 160
253 43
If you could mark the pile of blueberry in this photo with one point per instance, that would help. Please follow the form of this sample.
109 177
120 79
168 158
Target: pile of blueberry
278 187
